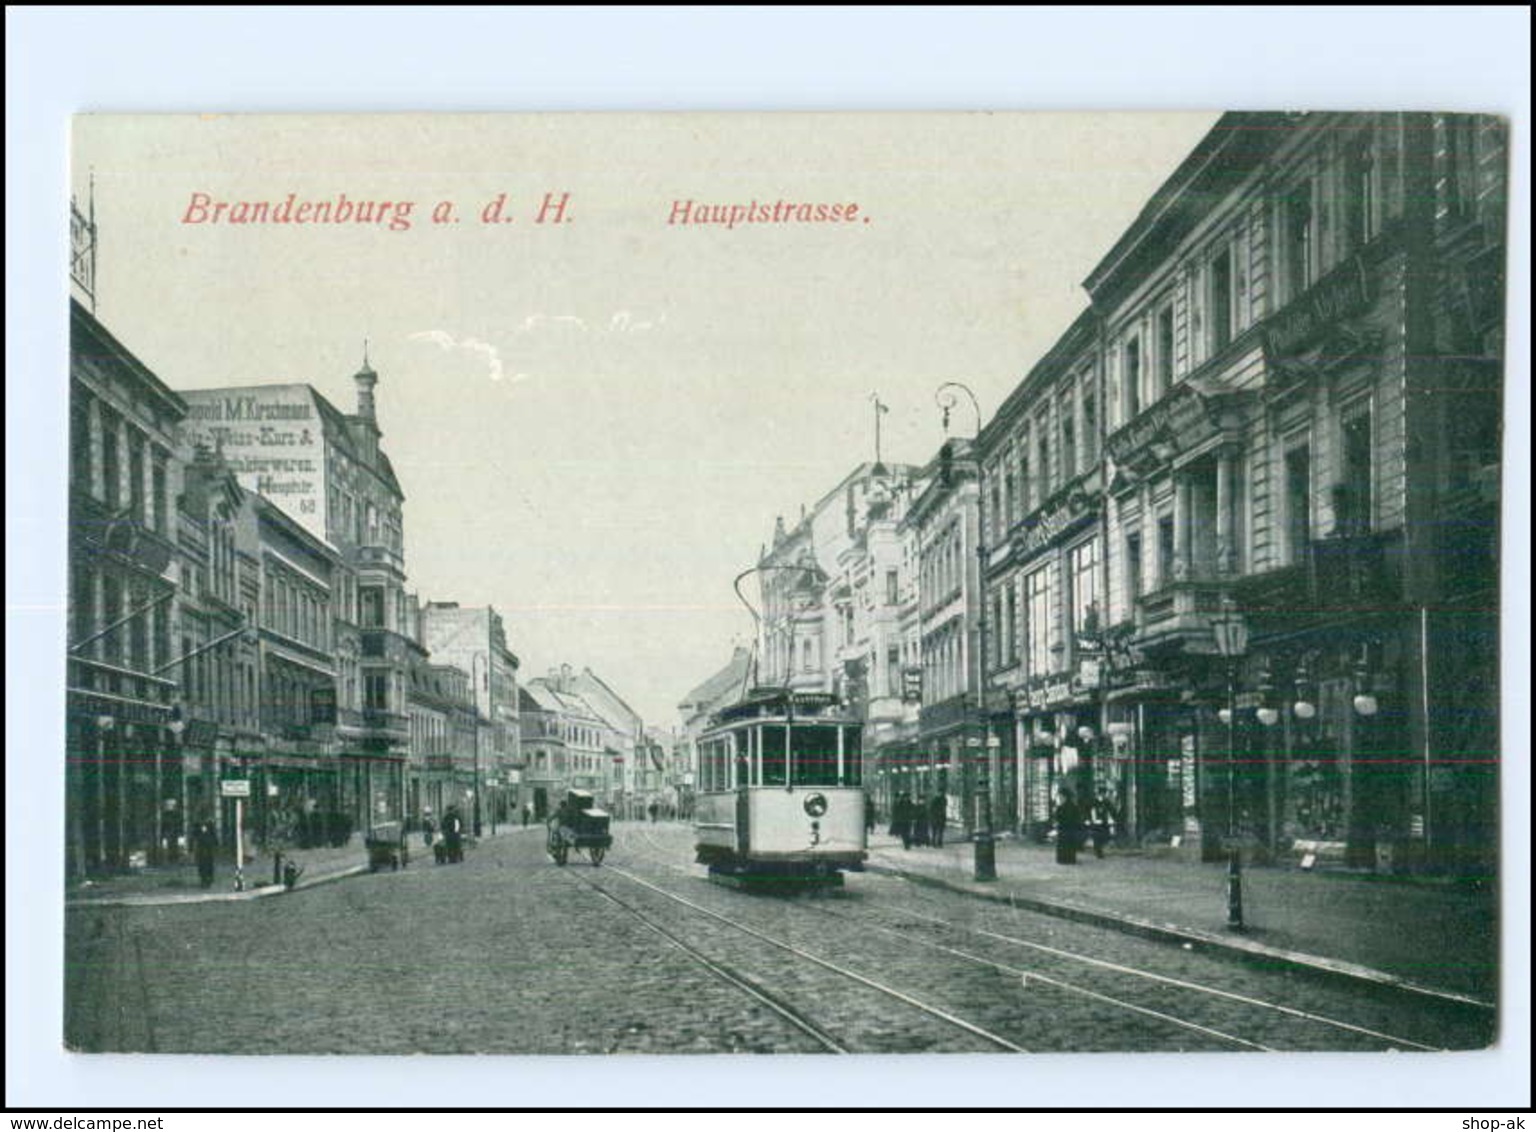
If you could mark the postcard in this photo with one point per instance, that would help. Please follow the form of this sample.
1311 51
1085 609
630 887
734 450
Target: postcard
783 583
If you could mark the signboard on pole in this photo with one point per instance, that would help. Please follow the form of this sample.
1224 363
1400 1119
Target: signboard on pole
235 788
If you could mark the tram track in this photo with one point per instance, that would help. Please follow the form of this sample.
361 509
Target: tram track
1213 1011
779 1002
741 981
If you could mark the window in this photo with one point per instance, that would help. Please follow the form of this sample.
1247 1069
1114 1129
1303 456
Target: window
1354 509
1298 502
1460 165
1133 582
372 599
1165 551
805 656
1164 345
893 671
1090 423
1026 485
81 456
1043 465
1360 193
1132 378
1068 436
1084 564
111 469
1221 299
376 691
160 493
1011 623
136 497
1037 606
892 587
85 608
1297 233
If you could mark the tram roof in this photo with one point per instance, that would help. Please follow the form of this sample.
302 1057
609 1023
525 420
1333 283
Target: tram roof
774 703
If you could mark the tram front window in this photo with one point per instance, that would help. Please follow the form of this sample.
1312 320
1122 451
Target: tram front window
773 756
815 750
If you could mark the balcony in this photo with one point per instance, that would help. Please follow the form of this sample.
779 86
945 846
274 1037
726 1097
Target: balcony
1178 615
1359 573
384 644
374 722
378 556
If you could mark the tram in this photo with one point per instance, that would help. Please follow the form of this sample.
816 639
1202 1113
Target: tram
779 793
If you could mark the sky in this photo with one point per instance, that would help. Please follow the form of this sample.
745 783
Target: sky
597 419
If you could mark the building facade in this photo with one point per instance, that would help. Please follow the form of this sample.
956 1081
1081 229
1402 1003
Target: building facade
475 639
1241 519
123 755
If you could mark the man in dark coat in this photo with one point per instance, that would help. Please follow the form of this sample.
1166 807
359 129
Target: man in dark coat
205 844
1069 829
901 819
453 835
938 816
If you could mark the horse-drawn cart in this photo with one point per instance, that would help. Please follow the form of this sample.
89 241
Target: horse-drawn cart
578 824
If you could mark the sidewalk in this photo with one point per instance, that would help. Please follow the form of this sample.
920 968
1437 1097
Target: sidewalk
178 883
1429 934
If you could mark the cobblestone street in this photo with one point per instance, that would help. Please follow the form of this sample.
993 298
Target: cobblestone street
507 953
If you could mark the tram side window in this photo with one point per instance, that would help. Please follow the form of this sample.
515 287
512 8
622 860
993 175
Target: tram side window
815 750
773 756
853 757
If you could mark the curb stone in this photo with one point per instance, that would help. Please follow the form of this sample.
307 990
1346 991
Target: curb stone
1195 938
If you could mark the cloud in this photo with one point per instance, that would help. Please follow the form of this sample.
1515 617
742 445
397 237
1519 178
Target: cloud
623 322
536 321
485 350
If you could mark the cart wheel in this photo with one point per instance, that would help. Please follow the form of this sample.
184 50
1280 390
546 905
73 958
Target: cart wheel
596 853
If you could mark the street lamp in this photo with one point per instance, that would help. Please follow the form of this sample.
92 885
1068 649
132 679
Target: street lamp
473 662
947 396
1231 635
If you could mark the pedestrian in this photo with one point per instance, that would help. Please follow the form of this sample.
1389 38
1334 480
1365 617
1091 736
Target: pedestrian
1101 818
871 816
527 813
428 827
1069 822
453 835
901 819
918 812
205 843
654 810
938 817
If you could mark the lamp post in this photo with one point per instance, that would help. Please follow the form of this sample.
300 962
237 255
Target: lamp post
474 660
947 396
1231 634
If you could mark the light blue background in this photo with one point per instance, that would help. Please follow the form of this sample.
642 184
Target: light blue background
62 61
